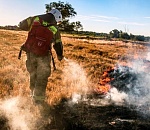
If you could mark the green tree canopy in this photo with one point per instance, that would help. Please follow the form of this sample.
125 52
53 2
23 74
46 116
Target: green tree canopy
65 8
114 33
77 26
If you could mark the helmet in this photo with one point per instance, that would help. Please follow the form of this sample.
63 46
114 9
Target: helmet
57 14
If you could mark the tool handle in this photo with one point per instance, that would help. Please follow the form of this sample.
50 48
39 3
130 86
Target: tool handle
53 61
19 56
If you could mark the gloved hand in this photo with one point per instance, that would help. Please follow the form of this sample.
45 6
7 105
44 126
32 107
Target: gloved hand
60 57
59 50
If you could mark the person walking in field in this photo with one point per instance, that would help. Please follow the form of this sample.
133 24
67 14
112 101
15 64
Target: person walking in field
43 31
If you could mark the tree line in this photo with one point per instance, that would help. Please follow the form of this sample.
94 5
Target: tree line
115 34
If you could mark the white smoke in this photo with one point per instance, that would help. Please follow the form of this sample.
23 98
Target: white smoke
75 80
75 98
113 97
117 97
20 113
148 56
141 97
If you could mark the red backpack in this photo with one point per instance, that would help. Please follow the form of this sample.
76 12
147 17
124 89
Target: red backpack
39 39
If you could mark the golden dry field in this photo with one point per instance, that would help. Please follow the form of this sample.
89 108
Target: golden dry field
90 56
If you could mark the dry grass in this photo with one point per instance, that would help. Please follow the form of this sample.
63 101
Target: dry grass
93 55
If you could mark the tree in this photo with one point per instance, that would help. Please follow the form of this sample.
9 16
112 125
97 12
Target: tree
65 8
140 38
77 26
132 37
114 33
124 35
66 26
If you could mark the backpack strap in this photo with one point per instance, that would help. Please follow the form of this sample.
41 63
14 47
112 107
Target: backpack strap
44 23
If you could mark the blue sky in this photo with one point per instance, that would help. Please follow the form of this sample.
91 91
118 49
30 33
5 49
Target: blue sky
131 16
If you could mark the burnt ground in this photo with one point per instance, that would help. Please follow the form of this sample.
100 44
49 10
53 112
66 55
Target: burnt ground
87 117
82 116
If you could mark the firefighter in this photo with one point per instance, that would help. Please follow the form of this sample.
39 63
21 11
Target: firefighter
39 66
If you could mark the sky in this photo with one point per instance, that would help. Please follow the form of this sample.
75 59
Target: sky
131 16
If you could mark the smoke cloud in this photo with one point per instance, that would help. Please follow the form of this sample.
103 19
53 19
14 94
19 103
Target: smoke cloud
139 89
21 113
75 80
148 56
140 96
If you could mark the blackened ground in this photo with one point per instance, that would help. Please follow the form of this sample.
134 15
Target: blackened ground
3 123
82 116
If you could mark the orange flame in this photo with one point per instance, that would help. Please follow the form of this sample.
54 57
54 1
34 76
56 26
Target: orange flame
103 89
104 86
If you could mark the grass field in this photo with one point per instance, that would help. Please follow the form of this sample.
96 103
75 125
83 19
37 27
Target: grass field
87 59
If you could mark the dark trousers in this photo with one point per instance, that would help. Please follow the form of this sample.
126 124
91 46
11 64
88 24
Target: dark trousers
39 69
